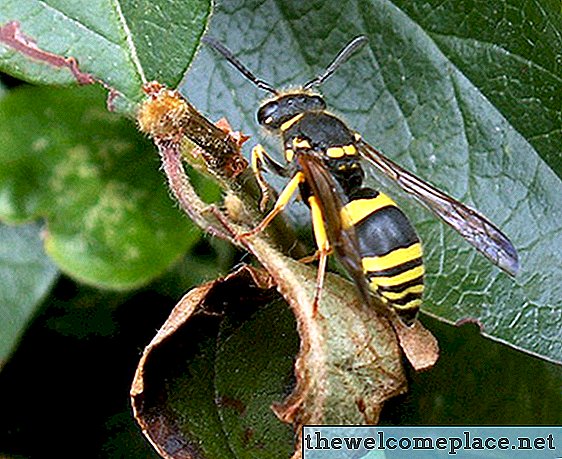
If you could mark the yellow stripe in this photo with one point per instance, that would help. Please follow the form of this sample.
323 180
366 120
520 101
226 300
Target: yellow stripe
358 209
399 278
289 155
411 305
300 143
258 153
335 152
340 152
399 295
287 124
392 259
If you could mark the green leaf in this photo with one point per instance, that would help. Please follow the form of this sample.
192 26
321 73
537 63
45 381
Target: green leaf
413 95
519 43
26 275
123 43
110 220
249 378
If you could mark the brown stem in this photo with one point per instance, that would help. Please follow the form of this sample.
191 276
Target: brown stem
186 196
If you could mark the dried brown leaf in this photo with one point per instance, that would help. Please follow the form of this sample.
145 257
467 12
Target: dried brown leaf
159 388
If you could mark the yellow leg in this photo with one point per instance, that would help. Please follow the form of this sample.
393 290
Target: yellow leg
281 203
319 281
323 249
314 257
258 158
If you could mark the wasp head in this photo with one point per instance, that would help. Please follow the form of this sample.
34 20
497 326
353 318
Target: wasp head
274 113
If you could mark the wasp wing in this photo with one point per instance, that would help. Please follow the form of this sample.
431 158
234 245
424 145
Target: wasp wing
342 237
474 227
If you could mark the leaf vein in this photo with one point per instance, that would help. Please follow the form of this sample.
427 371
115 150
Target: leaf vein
129 40
494 46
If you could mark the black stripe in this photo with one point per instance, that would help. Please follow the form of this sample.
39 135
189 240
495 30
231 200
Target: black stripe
398 269
363 193
401 287
402 301
384 231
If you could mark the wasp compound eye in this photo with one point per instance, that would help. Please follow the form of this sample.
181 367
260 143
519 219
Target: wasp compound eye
268 114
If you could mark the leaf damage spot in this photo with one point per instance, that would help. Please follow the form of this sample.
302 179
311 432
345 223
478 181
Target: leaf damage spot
113 207
233 403
40 144
77 165
470 320
12 36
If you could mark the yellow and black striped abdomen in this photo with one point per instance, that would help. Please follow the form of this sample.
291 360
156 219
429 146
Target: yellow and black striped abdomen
390 249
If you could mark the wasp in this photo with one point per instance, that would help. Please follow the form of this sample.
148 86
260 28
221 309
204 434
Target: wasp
371 237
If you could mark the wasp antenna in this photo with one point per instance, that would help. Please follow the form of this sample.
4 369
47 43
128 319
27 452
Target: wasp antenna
343 55
219 47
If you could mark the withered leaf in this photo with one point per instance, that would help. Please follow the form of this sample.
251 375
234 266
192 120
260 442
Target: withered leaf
205 383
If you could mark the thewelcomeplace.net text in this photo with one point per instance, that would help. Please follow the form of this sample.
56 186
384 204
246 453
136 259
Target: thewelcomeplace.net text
452 444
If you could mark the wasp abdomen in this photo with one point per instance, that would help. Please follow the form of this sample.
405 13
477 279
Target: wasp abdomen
390 250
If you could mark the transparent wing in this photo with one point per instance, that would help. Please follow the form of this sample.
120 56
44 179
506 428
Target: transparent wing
474 227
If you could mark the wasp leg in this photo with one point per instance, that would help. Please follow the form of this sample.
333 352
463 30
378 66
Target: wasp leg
314 257
258 160
258 155
323 251
281 203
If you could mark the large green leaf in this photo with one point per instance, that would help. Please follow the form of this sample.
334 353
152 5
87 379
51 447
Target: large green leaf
110 220
413 95
509 50
26 275
123 43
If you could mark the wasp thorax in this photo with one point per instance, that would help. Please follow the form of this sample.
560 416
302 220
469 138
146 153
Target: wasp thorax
276 112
